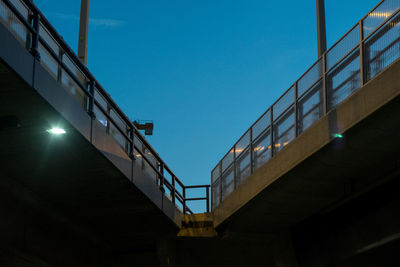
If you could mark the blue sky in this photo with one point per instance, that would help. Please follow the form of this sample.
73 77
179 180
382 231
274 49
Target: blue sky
202 70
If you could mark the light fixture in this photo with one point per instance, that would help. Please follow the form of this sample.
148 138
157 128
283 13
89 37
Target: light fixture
56 131
337 135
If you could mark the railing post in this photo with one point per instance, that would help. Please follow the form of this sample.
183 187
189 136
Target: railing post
271 128
162 177
173 189
234 167
184 199
324 86
362 70
208 198
295 111
92 84
59 69
251 151
132 144
220 182
35 37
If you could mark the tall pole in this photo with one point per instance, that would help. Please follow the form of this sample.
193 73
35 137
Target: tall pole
321 28
83 31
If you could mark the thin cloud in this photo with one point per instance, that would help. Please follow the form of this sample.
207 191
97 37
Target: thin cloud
108 23
105 22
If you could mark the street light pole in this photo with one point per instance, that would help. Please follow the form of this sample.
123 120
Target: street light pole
83 31
321 28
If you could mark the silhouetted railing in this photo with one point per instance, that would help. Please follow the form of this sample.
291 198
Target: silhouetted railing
363 52
36 34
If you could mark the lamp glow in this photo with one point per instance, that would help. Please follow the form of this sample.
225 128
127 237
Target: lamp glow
56 131
337 135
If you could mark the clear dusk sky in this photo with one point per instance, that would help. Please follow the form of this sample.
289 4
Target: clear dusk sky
202 70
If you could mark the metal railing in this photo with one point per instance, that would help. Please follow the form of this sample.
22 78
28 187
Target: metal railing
33 30
364 51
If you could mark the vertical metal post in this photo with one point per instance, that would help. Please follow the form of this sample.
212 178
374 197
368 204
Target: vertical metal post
220 182
271 128
184 199
131 144
173 189
35 38
91 99
162 177
83 31
321 28
234 167
362 69
59 70
295 111
208 198
251 151
324 86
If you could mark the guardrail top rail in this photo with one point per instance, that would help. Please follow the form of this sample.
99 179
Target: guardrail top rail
365 50
31 28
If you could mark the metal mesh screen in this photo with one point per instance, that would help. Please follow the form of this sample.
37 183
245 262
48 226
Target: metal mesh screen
310 77
73 88
382 48
227 160
344 79
100 117
215 174
310 107
228 182
216 196
261 124
243 167
48 62
14 25
284 130
262 149
337 52
283 103
243 143
121 140
379 15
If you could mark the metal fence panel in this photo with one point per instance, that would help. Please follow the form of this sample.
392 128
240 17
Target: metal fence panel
382 48
310 107
337 52
262 149
284 102
14 25
310 77
227 160
261 124
228 182
243 167
284 130
379 15
243 143
344 79
216 196
215 174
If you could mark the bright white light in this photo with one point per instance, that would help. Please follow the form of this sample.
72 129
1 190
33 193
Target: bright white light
56 131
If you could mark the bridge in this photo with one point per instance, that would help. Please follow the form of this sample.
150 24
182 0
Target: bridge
313 182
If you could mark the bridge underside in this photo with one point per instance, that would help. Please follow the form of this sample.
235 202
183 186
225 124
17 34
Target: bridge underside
61 195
